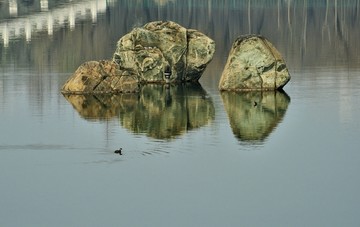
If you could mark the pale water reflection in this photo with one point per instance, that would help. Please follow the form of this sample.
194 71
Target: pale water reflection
56 17
57 161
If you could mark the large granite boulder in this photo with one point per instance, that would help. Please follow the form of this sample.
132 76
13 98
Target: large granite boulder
100 77
164 48
254 64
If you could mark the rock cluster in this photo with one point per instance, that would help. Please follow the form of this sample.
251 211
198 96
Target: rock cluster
158 52
165 52
254 64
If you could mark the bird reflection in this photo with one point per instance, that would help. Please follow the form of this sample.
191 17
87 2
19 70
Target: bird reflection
168 99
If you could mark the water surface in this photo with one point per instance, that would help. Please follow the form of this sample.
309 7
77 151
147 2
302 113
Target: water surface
192 156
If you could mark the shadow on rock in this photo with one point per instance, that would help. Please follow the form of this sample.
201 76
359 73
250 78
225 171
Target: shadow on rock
159 111
254 115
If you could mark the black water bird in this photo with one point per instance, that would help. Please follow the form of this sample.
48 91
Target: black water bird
118 151
167 73
255 103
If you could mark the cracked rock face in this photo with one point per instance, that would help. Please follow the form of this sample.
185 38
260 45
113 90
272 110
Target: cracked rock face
100 77
254 64
158 52
158 45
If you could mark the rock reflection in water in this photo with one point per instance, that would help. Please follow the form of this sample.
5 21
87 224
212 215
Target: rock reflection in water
159 111
99 107
254 115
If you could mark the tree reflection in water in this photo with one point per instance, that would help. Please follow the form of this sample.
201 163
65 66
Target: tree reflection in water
254 115
159 111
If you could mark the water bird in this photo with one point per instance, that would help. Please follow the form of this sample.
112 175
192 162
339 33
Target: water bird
255 103
118 151
167 73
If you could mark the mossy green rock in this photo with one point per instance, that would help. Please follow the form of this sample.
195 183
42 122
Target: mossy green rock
149 50
158 52
254 64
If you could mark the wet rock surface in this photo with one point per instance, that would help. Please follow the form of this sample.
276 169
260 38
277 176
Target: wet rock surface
254 64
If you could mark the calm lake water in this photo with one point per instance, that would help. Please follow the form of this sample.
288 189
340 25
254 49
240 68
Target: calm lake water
192 156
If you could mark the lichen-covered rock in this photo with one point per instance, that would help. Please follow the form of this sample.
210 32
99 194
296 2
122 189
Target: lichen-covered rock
147 64
200 51
155 53
148 51
254 64
100 77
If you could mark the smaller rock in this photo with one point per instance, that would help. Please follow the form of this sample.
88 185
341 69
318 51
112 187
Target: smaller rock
254 64
100 77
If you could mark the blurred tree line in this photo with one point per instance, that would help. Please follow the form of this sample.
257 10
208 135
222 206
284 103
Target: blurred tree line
307 33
